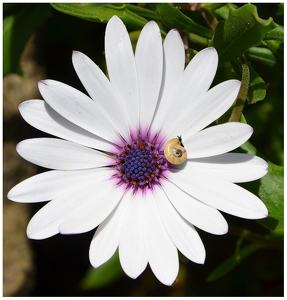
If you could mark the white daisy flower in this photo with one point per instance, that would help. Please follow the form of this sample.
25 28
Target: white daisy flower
142 204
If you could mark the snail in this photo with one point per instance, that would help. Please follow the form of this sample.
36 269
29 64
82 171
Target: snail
174 151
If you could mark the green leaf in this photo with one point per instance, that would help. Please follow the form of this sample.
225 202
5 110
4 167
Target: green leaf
232 262
197 39
94 4
223 11
264 56
105 275
272 194
172 17
241 30
276 34
17 29
242 119
212 6
277 48
102 14
143 12
257 88
270 189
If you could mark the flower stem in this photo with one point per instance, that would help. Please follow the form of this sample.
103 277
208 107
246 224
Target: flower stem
237 110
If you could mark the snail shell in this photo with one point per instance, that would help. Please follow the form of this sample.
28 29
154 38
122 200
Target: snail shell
174 152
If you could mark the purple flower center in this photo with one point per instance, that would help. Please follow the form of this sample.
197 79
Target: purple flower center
141 164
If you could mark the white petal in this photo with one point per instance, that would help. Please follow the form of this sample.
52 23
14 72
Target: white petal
62 155
194 83
41 116
78 108
149 62
199 214
217 139
160 250
48 185
131 248
94 208
107 236
173 66
182 233
211 106
223 195
46 221
233 167
122 68
101 91
174 61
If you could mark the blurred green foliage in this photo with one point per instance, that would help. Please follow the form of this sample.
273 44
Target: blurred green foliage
253 30
20 20
105 275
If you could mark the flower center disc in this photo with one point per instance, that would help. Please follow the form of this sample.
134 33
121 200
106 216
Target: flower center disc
140 164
